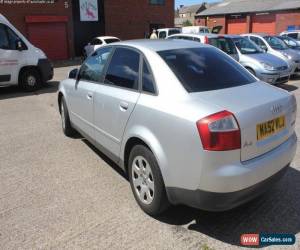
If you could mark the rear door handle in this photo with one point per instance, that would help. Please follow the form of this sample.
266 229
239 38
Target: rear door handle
124 106
89 95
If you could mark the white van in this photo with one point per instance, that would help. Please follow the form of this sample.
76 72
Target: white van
201 30
165 32
20 62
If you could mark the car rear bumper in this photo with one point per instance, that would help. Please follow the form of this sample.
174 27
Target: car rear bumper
211 201
223 186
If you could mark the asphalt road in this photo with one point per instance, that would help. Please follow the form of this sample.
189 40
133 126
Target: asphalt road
62 193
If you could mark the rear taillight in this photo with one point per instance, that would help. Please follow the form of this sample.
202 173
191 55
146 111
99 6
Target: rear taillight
220 132
206 41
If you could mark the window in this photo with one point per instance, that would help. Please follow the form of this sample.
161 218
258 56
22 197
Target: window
14 39
258 42
205 69
123 70
148 82
246 47
293 35
162 34
196 39
92 68
276 43
96 41
157 2
224 44
174 31
111 40
4 43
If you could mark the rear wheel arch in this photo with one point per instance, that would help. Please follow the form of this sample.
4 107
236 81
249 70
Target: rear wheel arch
131 142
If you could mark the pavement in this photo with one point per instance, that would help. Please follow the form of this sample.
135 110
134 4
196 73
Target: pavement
62 193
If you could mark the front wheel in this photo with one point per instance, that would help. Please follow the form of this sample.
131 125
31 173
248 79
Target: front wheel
146 181
30 80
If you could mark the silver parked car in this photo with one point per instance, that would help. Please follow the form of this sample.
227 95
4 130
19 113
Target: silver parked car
275 46
265 66
187 123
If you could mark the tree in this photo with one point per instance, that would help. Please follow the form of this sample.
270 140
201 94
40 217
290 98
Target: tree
187 23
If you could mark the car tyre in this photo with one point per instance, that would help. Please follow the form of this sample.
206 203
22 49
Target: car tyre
30 80
65 119
146 181
251 71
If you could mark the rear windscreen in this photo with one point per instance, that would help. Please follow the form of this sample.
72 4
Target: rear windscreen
224 44
173 32
204 69
111 40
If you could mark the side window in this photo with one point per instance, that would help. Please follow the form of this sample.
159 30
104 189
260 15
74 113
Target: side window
13 39
123 70
92 68
96 42
196 39
4 42
293 35
148 82
162 34
258 41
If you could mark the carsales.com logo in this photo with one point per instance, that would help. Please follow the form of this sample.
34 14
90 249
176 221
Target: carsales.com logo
267 239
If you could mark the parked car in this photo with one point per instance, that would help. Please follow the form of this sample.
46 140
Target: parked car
265 66
163 33
200 30
222 42
21 63
218 140
290 42
97 43
293 34
275 46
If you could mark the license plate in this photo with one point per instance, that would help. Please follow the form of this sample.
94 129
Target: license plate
269 128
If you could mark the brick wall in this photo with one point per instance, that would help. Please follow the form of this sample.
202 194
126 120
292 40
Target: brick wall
16 13
131 19
285 19
217 21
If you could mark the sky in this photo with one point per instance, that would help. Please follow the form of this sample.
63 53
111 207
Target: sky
190 2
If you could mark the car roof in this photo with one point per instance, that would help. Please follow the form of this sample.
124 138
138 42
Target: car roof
3 19
160 44
255 34
290 31
195 35
107 37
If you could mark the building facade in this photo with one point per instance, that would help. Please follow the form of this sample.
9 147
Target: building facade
256 16
62 27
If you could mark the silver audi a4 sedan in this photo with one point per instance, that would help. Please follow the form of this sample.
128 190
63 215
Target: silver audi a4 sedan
185 121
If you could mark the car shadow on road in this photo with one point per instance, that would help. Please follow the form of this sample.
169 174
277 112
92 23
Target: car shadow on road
288 87
14 91
278 211
106 159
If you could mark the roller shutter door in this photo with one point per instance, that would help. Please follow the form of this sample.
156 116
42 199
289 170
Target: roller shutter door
51 38
236 26
264 24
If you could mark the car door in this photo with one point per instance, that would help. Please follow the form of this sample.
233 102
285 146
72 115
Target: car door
116 98
10 57
81 95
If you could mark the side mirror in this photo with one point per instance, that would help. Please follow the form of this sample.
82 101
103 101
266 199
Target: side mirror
73 74
264 48
19 45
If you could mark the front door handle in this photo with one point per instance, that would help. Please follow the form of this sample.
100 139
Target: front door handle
124 106
89 95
